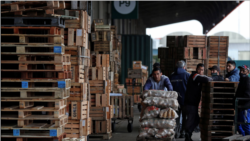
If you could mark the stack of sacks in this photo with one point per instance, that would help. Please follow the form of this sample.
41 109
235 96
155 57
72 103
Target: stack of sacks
158 120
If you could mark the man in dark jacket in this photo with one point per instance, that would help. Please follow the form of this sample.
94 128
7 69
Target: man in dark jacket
179 79
232 72
192 99
215 72
243 91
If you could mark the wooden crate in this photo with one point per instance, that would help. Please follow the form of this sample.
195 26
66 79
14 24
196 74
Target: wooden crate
134 89
137 99
75 37
98 73
100 100
103 46
168 64
78 74
78 109
175 41
101 36
78 92
217 53
191 64
192 53
138 73
82 23
99 113
100 127
195 41
102 60
78 128
98 86
79 55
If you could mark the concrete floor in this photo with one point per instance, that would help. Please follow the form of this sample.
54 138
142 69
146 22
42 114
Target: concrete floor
121 133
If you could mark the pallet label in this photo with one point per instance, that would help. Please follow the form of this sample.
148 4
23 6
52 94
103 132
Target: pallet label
25 84
57 49
79 32
83 122
107 109
53 133
61 84
16 132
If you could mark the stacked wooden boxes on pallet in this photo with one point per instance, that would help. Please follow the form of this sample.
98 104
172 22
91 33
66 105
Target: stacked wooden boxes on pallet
217 113
100 82
137 77
77 45
35 72
217 51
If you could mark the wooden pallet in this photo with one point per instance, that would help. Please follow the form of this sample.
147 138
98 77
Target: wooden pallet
79 55
175 41
64 83
78 109
31 39
22 113
32 30
35 50
33 67
237 137
78 74
75 37
101 127
106 136
100 113
171 138
217 53
23 104
98 86
32 21
78 128
191 64
32 130
41 138
35 93
134 89
28 6
195 41
78 92
102 27
22 122
100 100
191 53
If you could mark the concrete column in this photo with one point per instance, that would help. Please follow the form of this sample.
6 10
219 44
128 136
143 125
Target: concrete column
95 10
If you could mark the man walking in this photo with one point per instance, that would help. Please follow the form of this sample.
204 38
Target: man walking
233 72
192 99
243 91
179 79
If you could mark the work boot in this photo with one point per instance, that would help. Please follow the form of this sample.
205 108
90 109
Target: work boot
182 135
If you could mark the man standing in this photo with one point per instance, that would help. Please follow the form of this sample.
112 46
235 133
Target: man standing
192 99
179 79
232 72
243 91
215 72
156 82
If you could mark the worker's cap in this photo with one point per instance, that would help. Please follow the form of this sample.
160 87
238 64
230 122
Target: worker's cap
215 68
244 67
156 65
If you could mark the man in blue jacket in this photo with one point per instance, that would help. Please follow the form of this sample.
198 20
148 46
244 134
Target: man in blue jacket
232 72
179 79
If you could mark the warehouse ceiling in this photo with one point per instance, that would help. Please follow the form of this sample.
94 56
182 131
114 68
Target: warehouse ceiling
209 13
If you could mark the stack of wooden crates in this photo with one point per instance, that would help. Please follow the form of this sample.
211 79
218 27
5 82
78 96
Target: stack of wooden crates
77 45
100 78
35 71
217 114
137 78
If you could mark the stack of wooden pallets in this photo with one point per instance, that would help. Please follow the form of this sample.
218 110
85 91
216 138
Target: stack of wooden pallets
217 51
217 113
44 93
100 80
137 78
77 45
35 72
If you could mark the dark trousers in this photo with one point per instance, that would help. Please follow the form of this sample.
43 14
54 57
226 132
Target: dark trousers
181 112
193 118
